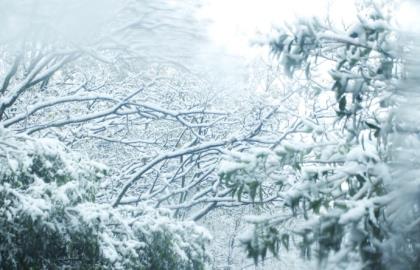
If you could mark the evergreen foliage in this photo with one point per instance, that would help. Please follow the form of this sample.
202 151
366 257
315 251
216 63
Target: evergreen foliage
49 218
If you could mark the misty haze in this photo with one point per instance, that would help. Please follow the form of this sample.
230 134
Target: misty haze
209 134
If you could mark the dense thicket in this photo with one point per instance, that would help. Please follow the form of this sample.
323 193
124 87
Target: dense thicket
49 218
345 174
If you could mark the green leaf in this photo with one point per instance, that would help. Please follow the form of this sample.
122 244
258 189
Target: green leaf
371 125
233 190
342 103
316 205
263 252
308 71
317 90
252 191
240 190
261 194
285 240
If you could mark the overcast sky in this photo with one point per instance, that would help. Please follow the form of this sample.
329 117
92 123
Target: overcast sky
235 22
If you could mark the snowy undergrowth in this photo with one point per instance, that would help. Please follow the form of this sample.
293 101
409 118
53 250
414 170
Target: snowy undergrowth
49 217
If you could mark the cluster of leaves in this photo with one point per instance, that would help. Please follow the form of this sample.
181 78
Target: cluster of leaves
341 202
265 238
244 173
240 179
364 69
49 218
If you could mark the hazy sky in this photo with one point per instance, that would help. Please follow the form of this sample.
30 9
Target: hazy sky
235 22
